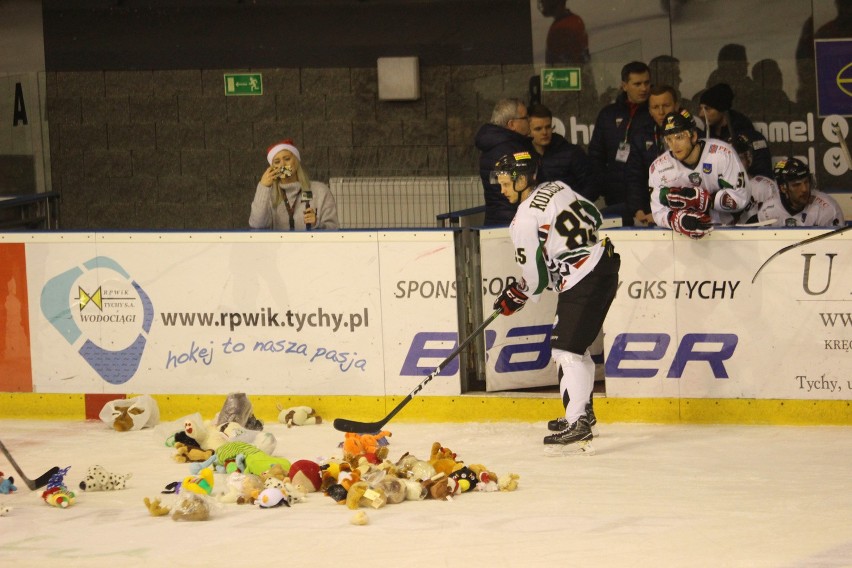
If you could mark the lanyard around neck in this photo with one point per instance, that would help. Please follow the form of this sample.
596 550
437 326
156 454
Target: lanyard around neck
291 209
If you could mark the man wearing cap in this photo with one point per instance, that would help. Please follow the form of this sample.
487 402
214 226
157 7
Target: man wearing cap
286 199
725 123
696 183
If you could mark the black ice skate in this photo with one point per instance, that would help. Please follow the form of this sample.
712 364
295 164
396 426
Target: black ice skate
576 439
559 424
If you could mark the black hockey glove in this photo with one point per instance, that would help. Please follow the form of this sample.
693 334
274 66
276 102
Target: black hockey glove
692 198
693 225
510 300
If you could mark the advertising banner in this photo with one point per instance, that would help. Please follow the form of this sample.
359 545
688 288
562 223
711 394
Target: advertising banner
294 315
688 322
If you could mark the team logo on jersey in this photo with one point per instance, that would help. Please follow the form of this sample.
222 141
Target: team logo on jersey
728 203
713 148
790 222
695 178
707 168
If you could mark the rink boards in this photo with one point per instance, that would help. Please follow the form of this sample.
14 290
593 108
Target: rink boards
371 313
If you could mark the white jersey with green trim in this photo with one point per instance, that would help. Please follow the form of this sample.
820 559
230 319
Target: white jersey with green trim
555 234
822 211
718 170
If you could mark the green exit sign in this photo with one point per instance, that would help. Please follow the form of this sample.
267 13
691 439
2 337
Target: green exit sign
243 84
560 79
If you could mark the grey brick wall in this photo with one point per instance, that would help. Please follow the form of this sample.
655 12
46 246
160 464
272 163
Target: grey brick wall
168 150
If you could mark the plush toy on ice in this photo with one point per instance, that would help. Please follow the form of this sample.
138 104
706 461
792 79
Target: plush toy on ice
7 484
56 493
298 416
99 479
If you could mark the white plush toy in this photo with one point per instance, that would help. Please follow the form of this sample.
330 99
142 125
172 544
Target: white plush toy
234 432
298 416
99 479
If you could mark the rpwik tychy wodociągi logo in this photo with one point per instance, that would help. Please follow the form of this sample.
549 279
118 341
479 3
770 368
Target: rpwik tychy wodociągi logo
100 310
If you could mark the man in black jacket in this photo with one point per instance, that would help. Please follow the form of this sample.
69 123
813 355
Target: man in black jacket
725 123
646 145
507 133
609 148
558 159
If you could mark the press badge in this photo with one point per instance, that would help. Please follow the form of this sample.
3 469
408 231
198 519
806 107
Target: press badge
623 152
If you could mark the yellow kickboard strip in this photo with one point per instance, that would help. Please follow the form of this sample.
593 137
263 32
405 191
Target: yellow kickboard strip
502 407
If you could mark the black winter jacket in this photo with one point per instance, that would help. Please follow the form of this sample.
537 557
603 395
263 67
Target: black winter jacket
494 142
738 123
612 127
567 162
646 145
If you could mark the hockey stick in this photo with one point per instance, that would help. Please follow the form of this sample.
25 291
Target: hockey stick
800 243
40 481
356 427
837 132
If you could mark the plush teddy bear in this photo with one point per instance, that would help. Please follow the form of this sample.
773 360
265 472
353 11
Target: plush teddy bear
99 479
155 508
298 416
444 460
185 453
437 486
508 482
371 446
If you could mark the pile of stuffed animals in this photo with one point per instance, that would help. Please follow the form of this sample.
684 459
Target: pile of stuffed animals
235 447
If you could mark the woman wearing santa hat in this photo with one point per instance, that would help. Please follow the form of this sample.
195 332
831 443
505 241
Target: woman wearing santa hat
286 199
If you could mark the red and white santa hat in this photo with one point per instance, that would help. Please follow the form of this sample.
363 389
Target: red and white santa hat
286 144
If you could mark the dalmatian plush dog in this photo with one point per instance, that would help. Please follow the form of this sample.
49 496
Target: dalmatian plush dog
99 479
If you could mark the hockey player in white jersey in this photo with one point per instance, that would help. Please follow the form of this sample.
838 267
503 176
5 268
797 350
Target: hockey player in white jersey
798 203
696 183
555 237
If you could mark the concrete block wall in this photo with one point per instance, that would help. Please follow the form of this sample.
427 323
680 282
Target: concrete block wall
140 150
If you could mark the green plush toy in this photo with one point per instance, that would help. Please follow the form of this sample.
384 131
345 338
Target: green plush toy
256 460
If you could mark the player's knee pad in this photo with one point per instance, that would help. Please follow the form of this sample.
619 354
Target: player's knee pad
562 357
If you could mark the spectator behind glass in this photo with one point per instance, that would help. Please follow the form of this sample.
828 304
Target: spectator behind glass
558 159
724 123
732 70
286 199
609 148
507 133
567 40
646 145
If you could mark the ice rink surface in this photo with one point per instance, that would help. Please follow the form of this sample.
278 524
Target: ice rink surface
652 495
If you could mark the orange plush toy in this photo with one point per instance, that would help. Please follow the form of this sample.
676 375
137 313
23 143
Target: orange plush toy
371 446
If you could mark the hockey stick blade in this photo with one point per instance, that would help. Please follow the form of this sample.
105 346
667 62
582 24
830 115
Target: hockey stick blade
33 484
355 427
781 251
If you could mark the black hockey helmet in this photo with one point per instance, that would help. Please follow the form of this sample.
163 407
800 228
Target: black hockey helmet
680 121
791 169
515 165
